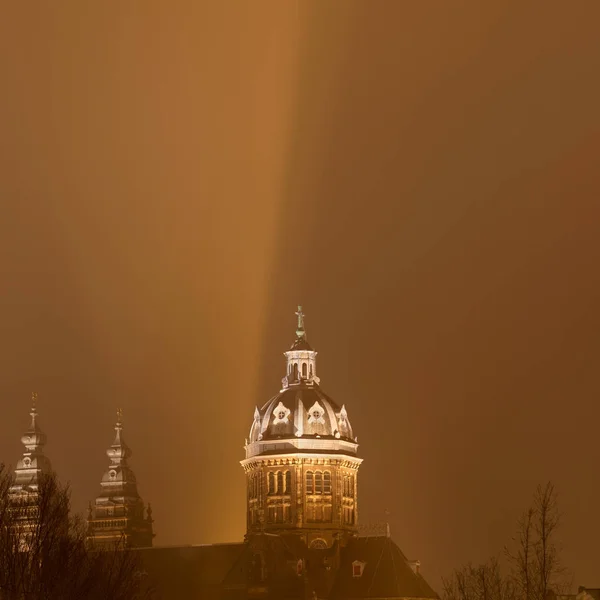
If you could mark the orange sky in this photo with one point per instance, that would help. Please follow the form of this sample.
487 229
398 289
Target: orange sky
422 177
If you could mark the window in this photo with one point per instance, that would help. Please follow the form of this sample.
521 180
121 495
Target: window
310 371
357 568
288 482
295 371
310 486
304 370
318 482
280 482
271 483
327 482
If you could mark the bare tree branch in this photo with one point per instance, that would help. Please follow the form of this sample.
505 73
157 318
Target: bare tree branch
533 555
44 553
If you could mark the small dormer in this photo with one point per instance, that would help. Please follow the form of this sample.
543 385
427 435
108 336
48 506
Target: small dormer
358 567
415 565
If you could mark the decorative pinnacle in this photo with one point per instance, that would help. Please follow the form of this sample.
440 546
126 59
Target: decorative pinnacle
119 418
33 412
300 331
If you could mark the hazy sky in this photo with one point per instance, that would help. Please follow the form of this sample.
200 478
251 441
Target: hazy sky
422 176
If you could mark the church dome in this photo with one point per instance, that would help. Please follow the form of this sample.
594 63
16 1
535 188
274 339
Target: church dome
301 417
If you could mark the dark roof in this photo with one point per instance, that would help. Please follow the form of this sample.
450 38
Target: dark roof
386 574
228 571
309 394
300 343
188 571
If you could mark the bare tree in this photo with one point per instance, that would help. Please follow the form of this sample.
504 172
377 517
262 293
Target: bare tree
44 554
482 582
535 552
534 557
521 557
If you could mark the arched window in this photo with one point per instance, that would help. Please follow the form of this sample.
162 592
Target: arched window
351 486
327 482
288 482
310 371
271 483
304 372
280 482
318 482
295 371
310 485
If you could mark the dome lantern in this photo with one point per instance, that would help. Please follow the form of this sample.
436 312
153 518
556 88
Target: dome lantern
301 359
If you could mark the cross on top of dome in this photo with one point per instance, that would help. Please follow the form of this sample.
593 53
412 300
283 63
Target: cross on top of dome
300 342
300 331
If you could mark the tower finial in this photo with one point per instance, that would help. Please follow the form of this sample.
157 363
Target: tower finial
300 331
33 412
119 418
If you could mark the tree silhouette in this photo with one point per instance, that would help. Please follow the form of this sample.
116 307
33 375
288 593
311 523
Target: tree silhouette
44 553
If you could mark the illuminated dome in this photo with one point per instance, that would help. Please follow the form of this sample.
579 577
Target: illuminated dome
301 417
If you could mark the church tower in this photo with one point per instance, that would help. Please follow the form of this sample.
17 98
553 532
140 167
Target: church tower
34 463
301 460
23 494
118 513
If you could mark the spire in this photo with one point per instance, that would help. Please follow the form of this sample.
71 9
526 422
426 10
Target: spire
33 463
119 497
300 342
300 332
119 452
301 358
33 412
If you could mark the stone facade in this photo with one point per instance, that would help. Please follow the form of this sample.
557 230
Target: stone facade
301 464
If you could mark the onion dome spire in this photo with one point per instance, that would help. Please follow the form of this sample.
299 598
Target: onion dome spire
118 511
33 463
119 452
